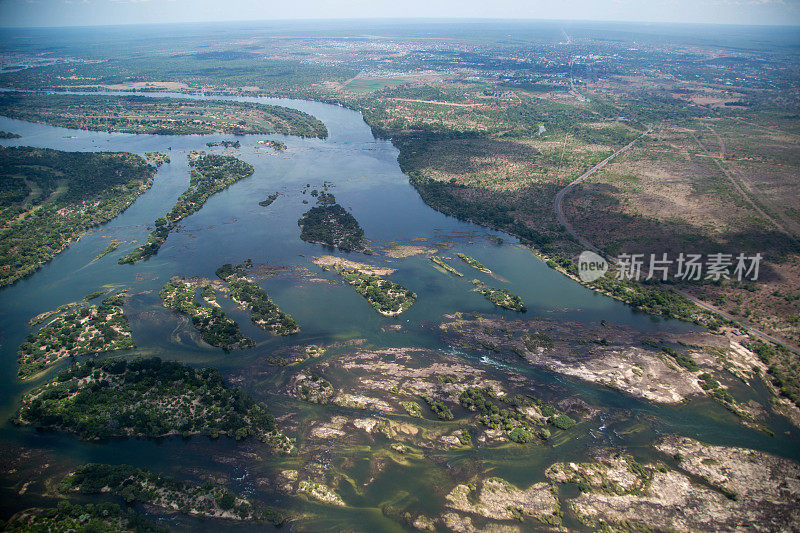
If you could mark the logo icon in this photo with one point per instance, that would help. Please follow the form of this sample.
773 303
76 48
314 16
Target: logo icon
591 266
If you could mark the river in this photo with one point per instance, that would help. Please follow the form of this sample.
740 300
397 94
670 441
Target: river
365 178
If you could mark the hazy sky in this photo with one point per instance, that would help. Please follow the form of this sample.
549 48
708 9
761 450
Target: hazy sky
105 12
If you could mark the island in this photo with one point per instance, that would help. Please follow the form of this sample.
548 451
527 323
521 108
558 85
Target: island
214 326
77 328
474 263
331 225
102 518
45 209
9 135
268 202
278 146
441 263
263 311
159 116
225 144
134 485
210 174
110 248
146 397
157 158
500 297
387 297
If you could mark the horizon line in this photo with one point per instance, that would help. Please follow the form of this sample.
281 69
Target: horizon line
400 19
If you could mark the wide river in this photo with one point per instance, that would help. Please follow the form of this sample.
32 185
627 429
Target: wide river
363 174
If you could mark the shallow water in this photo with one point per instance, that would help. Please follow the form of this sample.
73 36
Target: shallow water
231 227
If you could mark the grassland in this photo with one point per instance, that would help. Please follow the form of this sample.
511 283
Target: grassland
49 198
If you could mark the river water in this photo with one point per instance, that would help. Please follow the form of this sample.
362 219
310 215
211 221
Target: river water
365 178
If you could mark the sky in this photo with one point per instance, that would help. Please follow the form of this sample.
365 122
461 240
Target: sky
111 12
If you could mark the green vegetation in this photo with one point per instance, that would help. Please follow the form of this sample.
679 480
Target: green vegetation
512 415
227 71
110 248
474 263
160 116
268 202
412 408
209 500
500 297
210 174
263 311
783 367
225 144
278 146
387 297
49 198
438 407
443 264
534 341
76 329
655 301
9 135
562 421
682 359
331 225
215 328
372 84
157 158
313 388
100 518
146 398
324 197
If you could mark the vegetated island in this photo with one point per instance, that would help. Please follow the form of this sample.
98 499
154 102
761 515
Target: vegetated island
500 297
247 293
102 518
474 263
522 419
214 326
147 398
110 248
268 202
278 146
50 198
159 116
207 500
444 265
9 135
157 158
210 174
387 297
323 197
77 328
331 225
225 144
